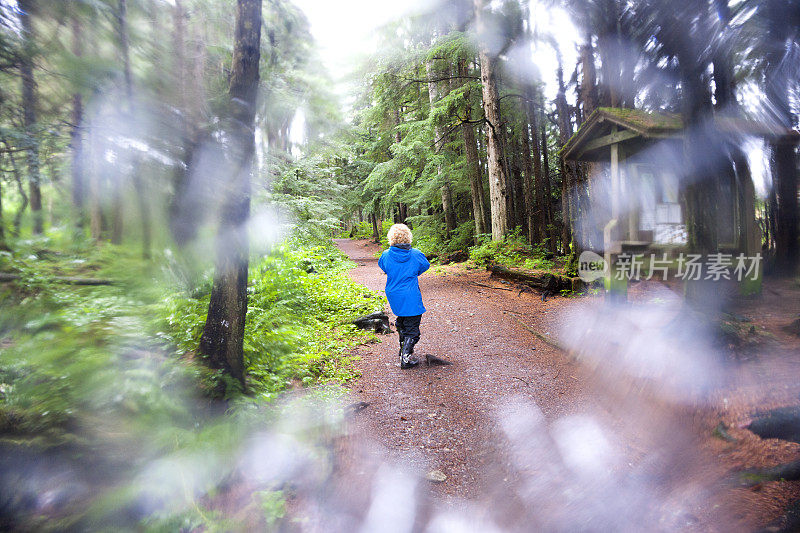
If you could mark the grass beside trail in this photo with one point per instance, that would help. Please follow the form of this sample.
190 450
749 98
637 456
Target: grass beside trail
103 379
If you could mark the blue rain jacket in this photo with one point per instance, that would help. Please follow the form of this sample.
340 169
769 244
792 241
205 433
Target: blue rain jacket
402 265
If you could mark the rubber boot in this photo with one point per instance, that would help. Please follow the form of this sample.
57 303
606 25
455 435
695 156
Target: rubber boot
407 359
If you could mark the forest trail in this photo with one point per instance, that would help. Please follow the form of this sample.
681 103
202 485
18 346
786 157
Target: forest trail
445 417
527 433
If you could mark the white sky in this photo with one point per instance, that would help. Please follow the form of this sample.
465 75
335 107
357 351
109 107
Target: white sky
556 22
345 30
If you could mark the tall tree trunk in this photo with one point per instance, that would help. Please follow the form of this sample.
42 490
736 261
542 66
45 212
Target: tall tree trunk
507 173
587 234
528 142
737 170
772 210
97 222
376 237
138 183
223 335
157 32
612 58
701 216
117 182
29 105
473 161
184 212
179 52
17 223
784 176
124 47
484 167
550 229
76 136
53 174
699 191
588 91
783 155
143 199
546 171
767 235
527 184
491 110
475 182
538 173
517 178
568 170
724 81
439 141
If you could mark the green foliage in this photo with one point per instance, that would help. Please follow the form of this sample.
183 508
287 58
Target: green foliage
300 305
65 348
273 505
396 126
511 252
319 187
107 372
361 230
430 236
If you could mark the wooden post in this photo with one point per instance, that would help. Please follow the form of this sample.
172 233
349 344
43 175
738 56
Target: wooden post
633 189
615 178
750 234
616 290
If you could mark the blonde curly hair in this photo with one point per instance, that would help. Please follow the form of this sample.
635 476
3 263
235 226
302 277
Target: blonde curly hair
399 234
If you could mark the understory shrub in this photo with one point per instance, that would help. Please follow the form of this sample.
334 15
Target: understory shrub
99 384
511 252
363 230
300 305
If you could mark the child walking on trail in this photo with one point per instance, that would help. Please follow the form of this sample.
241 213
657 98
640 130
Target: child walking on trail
402 265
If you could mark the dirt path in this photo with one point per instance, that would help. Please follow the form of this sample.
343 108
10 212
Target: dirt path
447 416
531 437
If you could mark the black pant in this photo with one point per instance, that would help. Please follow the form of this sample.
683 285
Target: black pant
408 326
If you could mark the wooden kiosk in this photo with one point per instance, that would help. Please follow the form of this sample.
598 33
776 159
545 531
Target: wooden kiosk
640 162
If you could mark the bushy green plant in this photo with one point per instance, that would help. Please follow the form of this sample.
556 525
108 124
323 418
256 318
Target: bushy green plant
360 230
511 252
298 326
273 505
431 238
363 230
109 372
66 348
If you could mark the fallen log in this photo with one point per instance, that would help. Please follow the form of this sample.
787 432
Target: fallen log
490 287
542 280
5 276
781 423
786 472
